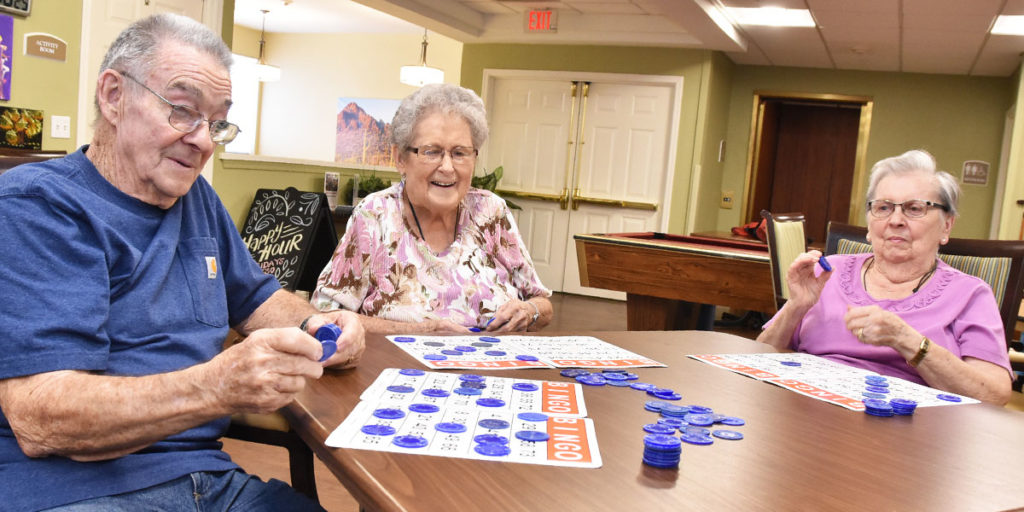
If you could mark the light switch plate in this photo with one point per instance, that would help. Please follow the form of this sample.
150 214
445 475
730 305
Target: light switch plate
726 201
60 127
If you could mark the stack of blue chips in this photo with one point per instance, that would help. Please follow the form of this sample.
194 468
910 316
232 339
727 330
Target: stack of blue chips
674 411
592 379
664 394
903 406
877 407
492 445
662 451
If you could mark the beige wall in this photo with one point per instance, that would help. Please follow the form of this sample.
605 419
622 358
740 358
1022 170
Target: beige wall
45 84
298 113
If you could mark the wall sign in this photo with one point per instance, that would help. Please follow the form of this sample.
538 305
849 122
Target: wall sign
291 235
540 20
975 172
47 46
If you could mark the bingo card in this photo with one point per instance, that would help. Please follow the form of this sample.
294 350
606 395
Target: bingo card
827 380
471 416
511 352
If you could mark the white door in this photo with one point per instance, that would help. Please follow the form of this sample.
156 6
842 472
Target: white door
623 158
581 157
530 125
102 21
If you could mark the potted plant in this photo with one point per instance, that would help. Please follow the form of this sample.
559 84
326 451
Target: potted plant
364 186
489 181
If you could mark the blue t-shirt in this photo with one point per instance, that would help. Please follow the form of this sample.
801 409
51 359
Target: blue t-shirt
98 281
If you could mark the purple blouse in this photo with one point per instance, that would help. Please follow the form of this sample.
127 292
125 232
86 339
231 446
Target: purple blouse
382 269
953 309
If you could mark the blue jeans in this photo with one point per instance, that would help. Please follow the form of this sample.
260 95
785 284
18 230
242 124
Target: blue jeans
203 492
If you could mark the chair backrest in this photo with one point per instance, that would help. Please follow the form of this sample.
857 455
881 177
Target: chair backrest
1000 263
786 241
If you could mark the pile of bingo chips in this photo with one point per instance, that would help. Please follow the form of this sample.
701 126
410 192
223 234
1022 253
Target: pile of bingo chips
662 449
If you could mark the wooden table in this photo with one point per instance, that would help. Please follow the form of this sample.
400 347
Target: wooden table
664 275
799 453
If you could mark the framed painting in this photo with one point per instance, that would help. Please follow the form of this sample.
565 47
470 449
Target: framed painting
21 128
362 139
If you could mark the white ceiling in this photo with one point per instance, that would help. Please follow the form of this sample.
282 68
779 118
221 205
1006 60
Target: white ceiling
919 36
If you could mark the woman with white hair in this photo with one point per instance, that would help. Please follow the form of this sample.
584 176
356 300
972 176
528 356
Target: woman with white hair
900 310
430 253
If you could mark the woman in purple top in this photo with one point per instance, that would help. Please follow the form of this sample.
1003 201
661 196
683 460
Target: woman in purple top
431 253
899 310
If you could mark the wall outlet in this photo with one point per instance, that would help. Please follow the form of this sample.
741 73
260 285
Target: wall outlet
726 201
60 127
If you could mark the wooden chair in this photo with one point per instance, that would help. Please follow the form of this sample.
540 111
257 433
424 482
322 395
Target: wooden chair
274 430
1000 263
786 241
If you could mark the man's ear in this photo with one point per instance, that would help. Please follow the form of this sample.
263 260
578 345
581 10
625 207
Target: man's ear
109 93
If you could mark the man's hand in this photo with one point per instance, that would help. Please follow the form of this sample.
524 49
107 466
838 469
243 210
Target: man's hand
265 371
352 341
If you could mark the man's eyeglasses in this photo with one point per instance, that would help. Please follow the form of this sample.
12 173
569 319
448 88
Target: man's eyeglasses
434 154
187 119
914 208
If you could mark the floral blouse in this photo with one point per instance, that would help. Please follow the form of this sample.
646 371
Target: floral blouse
382 269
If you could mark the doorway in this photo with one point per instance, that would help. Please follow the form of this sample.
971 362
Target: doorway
807 155
581 153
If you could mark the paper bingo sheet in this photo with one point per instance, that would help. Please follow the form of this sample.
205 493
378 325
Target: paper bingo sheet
827 380
511 420
511 352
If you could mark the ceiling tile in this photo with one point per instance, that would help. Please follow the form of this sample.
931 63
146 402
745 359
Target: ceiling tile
1000 57
1014 7
864 23
791 47
952 15
786 4
882 9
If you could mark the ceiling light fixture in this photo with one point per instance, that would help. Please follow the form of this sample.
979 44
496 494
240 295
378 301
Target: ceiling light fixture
264 71
421 75
1008 25
771 16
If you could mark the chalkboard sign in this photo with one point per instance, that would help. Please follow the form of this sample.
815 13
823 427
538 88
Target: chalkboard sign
291 235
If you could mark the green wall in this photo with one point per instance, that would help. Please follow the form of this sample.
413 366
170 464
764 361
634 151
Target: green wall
690 64
956 118
238 177
716 93
46 84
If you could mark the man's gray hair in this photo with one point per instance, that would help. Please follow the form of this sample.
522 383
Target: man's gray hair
917 160
134 51
444 98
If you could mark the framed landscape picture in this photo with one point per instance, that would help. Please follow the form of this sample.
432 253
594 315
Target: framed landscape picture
363 132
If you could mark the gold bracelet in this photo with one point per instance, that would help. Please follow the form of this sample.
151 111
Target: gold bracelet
921 352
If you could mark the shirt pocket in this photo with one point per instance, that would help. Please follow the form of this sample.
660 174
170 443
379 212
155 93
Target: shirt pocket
201 264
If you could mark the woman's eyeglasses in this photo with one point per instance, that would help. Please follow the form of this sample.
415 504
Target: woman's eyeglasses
914 208
434 154
187 119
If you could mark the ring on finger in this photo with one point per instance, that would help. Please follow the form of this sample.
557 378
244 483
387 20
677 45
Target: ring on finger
860 334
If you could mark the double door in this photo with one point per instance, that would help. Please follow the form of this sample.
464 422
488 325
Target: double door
587 155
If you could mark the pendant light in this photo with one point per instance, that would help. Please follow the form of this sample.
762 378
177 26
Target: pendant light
264 71
421 75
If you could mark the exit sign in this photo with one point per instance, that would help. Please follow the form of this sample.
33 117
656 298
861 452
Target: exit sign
545 20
